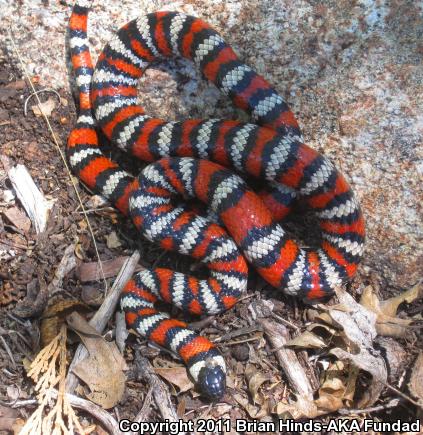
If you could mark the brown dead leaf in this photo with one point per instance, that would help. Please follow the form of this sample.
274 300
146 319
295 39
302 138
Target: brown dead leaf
18 426
255 380
79 250
387 323
338 387
45 107
358 326
255 412
301 408
177 376
7 418
102 371
112 240
416 380
18 218
307 340
54 316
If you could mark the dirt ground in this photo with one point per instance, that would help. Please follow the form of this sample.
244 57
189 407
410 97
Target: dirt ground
28 263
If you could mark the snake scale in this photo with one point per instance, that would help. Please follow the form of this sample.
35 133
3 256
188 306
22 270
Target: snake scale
190 159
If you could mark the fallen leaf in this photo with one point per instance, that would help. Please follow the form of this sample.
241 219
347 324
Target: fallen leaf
18 426
112 240
18 218
54 316
301 408
79 251
255 412
387 323
338 387
307 340
390 306
7 418
395 357
45 107
96 201
13 392
359 329
416 380
255 379
18 84
102 370
177 376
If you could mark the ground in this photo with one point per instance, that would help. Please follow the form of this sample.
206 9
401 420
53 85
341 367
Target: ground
352 73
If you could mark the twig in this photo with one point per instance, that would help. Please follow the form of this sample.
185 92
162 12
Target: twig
391 404
67 264
8 351
401 394
285 322
121 331
245 340
237 333
278 336
146 408
102 316
202 323
99 413
160 392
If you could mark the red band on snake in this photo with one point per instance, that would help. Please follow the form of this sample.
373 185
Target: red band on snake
192 158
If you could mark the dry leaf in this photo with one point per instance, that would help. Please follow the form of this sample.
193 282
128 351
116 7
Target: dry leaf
45 107
253 411
18 218
79 251
416 380
307 340
359 329
176 376
255 380
387 323
112 240
7 418
338 387
301 408
54 316
96 201
103 369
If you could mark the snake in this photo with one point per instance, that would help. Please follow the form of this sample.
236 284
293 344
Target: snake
208 160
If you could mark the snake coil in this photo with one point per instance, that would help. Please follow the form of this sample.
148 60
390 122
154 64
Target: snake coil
190 160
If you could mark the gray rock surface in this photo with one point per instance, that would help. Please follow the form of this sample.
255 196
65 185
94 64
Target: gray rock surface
351 71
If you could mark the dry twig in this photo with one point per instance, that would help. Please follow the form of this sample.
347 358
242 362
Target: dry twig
160 392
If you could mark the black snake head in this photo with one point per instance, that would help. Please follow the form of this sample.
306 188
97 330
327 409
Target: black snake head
212 382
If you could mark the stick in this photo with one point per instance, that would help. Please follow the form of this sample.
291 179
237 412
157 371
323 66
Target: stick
102 316
160 392
278 336
145 410
391 404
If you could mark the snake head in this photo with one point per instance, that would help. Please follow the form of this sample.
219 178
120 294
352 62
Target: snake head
212 382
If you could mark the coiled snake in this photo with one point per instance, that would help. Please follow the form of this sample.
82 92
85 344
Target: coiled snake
191 158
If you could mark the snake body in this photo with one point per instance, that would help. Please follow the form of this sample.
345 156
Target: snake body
190 161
